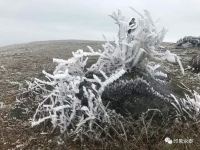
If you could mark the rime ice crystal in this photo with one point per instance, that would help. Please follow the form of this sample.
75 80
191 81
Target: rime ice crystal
137 44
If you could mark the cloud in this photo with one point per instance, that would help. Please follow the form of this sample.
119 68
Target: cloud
33 20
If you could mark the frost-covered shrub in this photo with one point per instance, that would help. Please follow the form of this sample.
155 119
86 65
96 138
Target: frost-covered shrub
60 102
188 107
71 97
134 96
133 48
188 41
195 63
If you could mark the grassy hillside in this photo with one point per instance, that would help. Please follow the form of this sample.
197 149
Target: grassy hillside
26 61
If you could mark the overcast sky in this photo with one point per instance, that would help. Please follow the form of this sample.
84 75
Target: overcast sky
35 20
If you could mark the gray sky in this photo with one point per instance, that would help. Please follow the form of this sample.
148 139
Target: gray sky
36 20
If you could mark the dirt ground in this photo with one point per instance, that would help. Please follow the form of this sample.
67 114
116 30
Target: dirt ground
26 61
